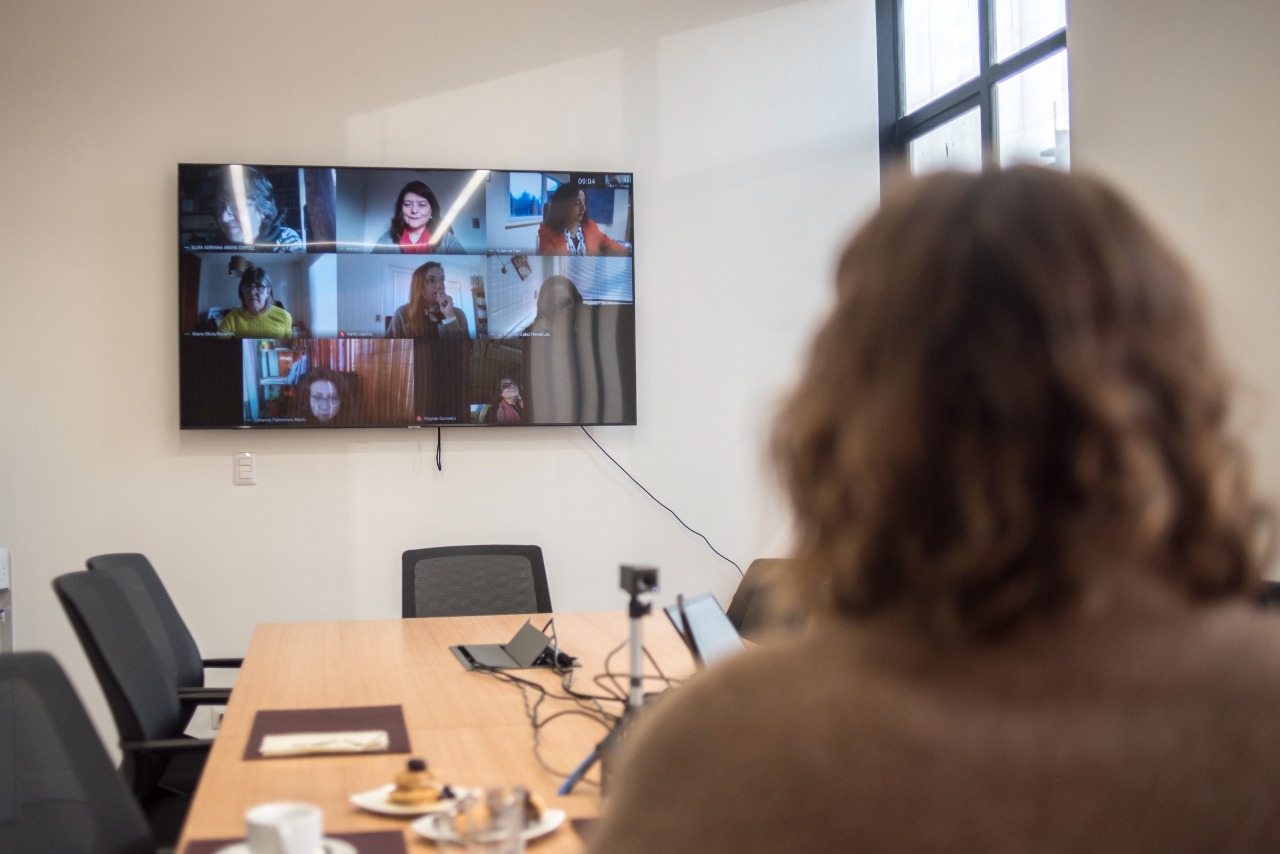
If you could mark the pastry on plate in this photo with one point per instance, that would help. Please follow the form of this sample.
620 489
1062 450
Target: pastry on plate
416 786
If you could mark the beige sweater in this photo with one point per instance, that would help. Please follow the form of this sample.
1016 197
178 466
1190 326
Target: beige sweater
1137 723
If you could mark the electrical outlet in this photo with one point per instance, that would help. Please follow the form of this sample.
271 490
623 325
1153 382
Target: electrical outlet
215 715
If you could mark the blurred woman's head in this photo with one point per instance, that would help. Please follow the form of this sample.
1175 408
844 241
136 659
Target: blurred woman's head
557 295
508 390
246 215
425 287
416 209
567 208
427 283
558 299
1029 403
322 393
256 296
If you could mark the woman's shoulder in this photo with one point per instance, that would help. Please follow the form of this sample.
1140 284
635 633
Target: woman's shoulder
230 320
1236 640
450 245
547 234
399 325
775 677
285 239
730 735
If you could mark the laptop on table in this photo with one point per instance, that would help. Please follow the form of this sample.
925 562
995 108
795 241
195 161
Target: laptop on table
705 628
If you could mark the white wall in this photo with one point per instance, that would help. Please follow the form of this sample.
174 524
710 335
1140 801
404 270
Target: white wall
1176 102
749 125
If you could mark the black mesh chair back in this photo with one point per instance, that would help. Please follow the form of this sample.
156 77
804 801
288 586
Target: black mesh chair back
159 761
755 610
58 788
151 604
465 581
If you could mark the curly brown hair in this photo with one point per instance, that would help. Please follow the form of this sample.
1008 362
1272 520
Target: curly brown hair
1015 391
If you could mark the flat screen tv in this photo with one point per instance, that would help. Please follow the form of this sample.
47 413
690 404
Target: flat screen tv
323 296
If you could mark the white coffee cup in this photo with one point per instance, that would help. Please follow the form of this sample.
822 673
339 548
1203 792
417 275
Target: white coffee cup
285 828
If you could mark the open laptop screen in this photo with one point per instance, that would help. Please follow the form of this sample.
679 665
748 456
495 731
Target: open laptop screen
705 627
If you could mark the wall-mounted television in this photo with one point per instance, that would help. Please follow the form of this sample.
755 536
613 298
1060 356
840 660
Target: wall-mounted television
333 296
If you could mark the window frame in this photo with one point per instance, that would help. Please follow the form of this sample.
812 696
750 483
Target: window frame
898 131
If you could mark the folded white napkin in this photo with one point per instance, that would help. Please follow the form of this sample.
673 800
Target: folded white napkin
294 743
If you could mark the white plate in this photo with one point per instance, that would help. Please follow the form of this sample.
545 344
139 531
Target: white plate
331 846
375 800
439 827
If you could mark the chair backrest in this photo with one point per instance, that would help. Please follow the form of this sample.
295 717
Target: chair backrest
754 609
58 788
149 599
140 692
1269 595
464 581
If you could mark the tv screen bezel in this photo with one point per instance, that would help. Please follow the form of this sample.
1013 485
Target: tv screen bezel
215 383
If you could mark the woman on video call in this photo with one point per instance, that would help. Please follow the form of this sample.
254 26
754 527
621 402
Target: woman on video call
415 222
260 222
258 316
567 230
509 407
430 312
323 398
1030 547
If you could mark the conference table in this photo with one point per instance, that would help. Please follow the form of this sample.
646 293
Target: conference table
471 727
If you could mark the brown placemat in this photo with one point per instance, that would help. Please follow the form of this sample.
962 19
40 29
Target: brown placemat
366 842
287 721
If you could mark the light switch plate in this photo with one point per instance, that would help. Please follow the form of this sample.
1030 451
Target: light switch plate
245 471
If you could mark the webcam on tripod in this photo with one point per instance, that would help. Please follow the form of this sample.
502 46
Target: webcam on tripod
639 579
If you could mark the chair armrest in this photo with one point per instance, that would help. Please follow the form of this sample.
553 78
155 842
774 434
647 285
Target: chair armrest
204 696
223 662
168 745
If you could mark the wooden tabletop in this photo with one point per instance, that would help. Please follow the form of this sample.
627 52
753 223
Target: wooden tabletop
471 727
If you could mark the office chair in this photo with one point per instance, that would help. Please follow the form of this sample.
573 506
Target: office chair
160 763
464 581
58 789
154 608
755 610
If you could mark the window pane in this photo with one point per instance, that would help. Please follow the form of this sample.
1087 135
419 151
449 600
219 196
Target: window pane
939 48
1032 121
1020 23
954 145
525 189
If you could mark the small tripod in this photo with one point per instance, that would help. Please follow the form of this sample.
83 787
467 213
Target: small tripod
635 580
637 610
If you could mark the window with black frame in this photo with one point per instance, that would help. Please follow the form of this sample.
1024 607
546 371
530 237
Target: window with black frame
971 83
